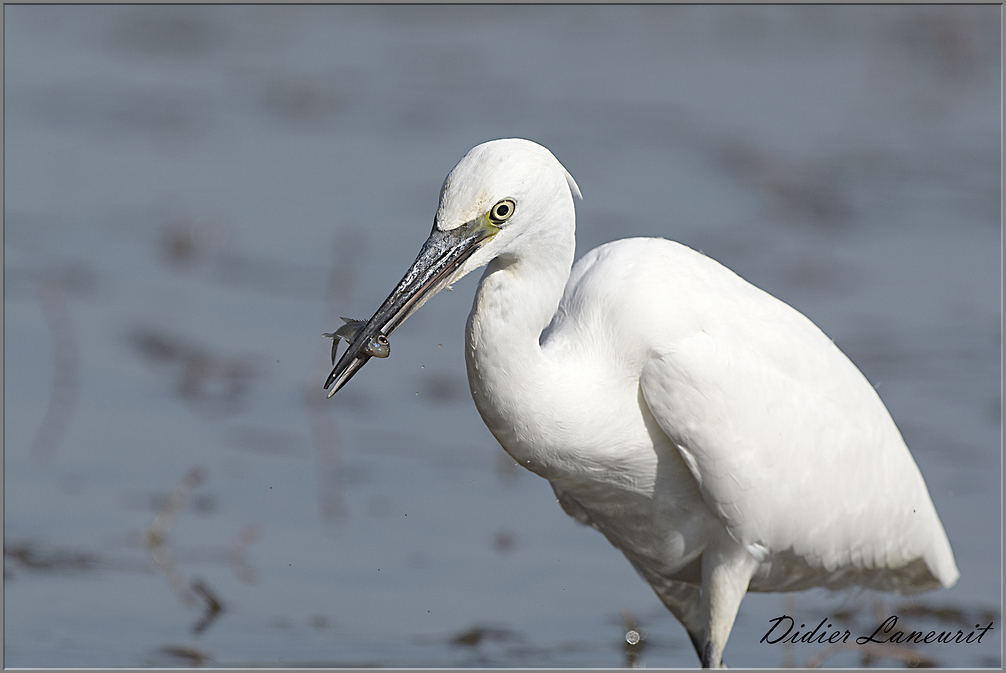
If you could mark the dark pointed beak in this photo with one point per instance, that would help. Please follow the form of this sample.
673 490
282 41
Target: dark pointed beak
441 257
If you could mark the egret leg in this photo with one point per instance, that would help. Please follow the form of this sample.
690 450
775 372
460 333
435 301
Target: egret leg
727 569
685 610
685 603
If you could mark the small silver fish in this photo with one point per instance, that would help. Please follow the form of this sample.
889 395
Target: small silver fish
377 347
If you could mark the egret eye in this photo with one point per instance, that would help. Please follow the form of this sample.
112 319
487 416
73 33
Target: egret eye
502 211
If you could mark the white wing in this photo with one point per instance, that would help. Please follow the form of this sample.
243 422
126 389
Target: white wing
791 446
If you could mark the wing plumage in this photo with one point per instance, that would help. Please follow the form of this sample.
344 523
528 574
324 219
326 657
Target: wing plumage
791 447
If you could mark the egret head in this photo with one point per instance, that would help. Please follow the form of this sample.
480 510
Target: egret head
513 186
502 196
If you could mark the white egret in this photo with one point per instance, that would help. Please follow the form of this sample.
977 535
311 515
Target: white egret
710 431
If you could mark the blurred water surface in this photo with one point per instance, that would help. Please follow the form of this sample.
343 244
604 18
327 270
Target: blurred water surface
194 194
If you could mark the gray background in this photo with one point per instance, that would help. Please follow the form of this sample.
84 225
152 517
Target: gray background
194 194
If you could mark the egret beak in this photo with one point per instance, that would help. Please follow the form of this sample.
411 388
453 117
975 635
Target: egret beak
437 265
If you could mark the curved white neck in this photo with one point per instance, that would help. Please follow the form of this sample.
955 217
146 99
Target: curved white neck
507 371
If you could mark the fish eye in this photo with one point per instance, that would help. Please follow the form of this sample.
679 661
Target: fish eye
383 340
502 211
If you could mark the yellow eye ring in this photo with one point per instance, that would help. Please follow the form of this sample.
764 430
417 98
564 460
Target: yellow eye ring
502 211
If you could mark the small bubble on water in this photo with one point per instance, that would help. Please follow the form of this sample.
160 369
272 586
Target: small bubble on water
632 637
